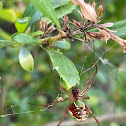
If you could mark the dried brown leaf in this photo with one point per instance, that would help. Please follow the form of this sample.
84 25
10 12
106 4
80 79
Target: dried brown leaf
105 35
119 40
100 36
87 10
123 48
50 29
93 5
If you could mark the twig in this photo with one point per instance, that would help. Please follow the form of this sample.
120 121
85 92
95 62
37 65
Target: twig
107 117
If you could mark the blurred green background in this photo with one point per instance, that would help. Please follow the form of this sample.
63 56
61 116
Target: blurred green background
17 87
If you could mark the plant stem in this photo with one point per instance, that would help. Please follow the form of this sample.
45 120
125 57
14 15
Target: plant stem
61 35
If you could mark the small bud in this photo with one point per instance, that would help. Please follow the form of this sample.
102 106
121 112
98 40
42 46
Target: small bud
100 11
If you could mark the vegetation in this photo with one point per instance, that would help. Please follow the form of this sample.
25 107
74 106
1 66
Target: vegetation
24 70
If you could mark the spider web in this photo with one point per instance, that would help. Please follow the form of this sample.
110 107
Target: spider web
12 107
100 58
4 114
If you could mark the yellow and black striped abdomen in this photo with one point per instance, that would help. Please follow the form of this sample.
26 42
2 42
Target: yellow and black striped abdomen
80 112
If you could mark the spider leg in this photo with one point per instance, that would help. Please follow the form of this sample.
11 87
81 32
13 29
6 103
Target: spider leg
64 115
55 77
87 80
50 104
85 97
82 93
93 115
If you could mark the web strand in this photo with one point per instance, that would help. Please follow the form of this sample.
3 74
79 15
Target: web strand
100 58
12 107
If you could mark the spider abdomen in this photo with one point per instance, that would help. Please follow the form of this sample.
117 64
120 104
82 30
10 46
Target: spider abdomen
80 112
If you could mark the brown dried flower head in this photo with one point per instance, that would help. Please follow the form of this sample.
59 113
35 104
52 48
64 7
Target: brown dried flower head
104 33
87 10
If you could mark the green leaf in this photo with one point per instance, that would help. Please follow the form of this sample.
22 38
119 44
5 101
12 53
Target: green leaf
120 27
46 8
36 33
35 14
65 68
8 15
6 43
1 6
65 11
21 24
26 59
119 24
62 44
25 39
29 11
34 27
58 3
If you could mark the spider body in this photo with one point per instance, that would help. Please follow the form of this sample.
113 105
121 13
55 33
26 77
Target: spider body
76 107
80 112
75 93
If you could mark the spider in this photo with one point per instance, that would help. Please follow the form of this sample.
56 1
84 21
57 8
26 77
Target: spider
76 107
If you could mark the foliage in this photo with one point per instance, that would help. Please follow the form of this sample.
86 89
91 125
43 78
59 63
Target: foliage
65 68
26 59
107 94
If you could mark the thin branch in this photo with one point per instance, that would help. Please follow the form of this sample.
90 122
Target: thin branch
61 35
108 117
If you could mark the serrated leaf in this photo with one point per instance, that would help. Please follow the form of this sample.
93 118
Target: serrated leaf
65 68
26 59
25 39
62 44
21 24
46 8
6 43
